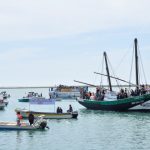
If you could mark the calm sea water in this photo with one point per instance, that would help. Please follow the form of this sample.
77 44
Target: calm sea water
93 130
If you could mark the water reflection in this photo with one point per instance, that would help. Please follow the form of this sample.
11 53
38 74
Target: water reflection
114 113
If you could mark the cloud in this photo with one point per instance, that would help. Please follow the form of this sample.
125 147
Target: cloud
43 18
53 42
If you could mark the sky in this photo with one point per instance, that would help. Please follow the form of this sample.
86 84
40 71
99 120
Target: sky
47 43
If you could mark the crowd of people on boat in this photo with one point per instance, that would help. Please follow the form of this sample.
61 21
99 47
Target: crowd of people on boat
99 95
123 93
33 94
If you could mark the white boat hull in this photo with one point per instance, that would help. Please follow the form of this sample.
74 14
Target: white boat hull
142 107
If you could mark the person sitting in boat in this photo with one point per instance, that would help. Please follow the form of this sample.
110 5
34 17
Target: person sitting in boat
31 118
59 110
19 117
125 93
143 90
50 96
92 97
137 91
132 93
70 109
98 94
118 95
81 93
102 95
122 94
88 95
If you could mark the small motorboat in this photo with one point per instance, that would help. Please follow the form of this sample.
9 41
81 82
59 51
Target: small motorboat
40 123
2 104
6 102
29 96
5 95
48 115
64 92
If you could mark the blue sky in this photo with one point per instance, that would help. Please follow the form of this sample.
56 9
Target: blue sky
44 42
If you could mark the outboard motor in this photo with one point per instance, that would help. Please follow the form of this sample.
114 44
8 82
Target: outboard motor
43 125
40 122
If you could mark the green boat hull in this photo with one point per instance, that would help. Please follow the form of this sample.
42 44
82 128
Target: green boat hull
23 100
115 105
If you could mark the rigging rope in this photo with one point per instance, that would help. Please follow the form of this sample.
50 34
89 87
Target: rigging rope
142 66
122 59
102 72
131 68
114 74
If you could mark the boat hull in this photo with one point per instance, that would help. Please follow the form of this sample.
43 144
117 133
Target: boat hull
144 107
24 100
14 126
48 115
2 106
116 105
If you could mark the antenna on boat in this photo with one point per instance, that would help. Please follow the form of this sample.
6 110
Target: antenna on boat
107 70
136 63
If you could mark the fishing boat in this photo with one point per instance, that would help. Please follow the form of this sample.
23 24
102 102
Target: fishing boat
64 92
47 115
5 95
2 103
29 96
117 104
6 102
39 124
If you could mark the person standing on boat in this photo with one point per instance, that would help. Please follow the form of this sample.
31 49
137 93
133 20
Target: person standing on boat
19 117
31 118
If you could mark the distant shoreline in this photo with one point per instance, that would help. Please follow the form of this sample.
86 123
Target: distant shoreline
41 87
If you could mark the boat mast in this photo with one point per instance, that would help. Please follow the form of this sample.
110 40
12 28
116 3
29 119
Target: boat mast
136 63
107 70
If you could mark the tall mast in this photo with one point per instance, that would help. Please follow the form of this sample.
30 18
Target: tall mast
107 70
136 63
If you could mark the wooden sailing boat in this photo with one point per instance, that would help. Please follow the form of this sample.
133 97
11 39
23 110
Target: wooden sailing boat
117 104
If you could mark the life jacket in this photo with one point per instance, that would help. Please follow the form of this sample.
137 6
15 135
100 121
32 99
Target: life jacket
19 116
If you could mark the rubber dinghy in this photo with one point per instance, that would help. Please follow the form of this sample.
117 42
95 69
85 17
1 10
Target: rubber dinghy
39 124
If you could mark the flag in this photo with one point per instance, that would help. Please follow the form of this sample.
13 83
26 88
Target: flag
42 101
